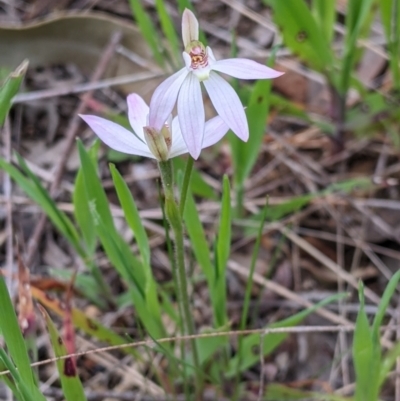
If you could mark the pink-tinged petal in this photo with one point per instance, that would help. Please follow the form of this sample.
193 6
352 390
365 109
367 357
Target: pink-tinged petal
117 137
243 68
190 27
178 144
191 114
228 105
137 114
164 98
214 130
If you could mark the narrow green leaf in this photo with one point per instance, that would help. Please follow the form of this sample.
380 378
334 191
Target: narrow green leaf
301 33
366 356
70 381
21 390
276 391
384 304
356 16
168 29
223 246
10 89
198 239
324 12
131 214
390 16
148 30
14 340
9 381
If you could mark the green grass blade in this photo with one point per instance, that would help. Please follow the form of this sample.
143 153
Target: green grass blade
82 213
10 89
357 15
15 342
148 30
169 31
97 197
222 246
276 391
9 381
198 239
383 305
324 12
70 381
390 16
131 214
387 363
19 387
301 33
366 356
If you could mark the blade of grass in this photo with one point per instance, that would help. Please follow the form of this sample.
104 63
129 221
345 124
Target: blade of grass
148 30
222 247
325 13
390 16
15 342
302 35
131 214
356 16
10 88
169 31
20 387
366 356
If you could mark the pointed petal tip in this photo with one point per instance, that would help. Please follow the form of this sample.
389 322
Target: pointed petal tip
190 27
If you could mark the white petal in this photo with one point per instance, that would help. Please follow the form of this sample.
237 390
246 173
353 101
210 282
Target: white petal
190 27
164 98
243 68
178 144
191 114
117 137
137 114
214 130
228 105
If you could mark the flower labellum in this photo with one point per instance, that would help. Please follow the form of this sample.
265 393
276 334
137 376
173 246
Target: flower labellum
184 86
160 143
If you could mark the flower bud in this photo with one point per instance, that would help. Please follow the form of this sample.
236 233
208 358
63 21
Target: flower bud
159 142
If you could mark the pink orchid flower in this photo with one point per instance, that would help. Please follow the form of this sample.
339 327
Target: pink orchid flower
161 144
184 85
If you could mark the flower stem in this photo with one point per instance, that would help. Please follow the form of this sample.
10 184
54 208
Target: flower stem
185 185
173 214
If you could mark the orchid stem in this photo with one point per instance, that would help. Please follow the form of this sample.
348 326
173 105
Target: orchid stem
185 184
173 214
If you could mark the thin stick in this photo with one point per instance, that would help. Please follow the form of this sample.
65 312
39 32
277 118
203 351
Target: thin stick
153 344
